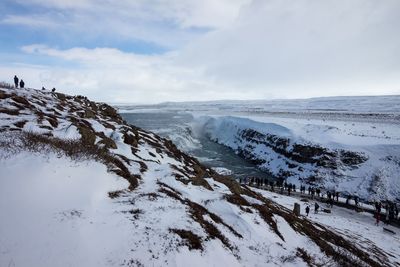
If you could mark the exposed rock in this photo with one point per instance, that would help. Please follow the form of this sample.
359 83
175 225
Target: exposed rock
298 154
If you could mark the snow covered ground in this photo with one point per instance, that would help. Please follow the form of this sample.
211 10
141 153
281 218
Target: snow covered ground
376 178
56 212
368 126
360 226
80 187
363 107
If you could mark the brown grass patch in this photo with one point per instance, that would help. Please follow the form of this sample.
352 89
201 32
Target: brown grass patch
135 213
4 95
6 85
20 124
191 240
12 112
116 194
169 191
150 196
21 100
237 200
302 253
268 216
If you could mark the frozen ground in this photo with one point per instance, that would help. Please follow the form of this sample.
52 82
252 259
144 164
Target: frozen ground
376 178
80 187
55 212
367 108
369 126
359 226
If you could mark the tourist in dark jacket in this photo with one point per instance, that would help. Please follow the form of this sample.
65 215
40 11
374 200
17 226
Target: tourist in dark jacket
16 80
21 84
377 217
316 207
307 210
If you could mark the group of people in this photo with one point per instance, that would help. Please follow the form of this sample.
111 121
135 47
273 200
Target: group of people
289 188
332 196
18 82
316 208
263 182
21 84
259 182
391 212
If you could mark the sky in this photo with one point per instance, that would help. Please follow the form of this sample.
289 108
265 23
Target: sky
151 51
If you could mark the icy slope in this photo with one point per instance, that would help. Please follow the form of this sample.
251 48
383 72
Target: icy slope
324 153
79 186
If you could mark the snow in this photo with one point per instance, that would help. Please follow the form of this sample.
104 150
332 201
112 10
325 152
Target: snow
56 212
222 171
369 125
383 153
67 130
357 226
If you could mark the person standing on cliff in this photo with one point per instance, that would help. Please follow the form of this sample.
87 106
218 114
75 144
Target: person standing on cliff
16 81
21 84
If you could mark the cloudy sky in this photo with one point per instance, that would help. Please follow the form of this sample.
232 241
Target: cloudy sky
148 51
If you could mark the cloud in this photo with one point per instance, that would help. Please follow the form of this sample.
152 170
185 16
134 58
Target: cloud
299 46
30 21
255 50
108 74
169 24
185 13
60 4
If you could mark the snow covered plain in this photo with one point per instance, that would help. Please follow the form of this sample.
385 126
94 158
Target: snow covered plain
80 187
358 139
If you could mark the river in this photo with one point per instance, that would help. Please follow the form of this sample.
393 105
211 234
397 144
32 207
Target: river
180 128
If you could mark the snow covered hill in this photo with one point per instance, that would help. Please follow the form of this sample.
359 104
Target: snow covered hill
81 187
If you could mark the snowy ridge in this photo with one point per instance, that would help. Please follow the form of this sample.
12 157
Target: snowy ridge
83 188
322 154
